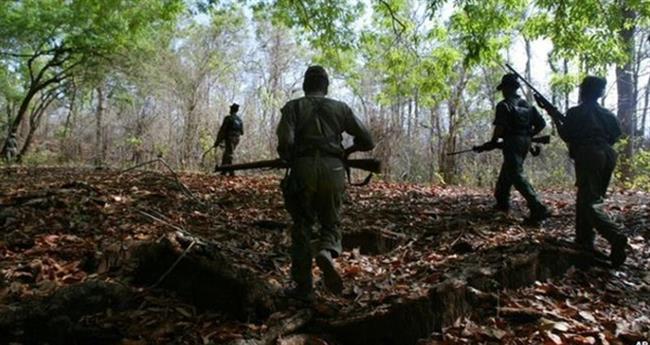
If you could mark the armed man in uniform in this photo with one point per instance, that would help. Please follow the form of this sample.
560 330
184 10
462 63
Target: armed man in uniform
516 122
229 132
590 131
11 151
310 139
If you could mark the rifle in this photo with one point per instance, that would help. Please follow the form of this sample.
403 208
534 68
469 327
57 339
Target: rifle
205 153
370 165
553 112
489 146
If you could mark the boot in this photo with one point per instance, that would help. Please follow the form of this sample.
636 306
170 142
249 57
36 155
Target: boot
537 216
617 254
333 280
300 293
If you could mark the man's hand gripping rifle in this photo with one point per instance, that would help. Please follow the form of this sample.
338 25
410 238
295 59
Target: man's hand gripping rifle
553 112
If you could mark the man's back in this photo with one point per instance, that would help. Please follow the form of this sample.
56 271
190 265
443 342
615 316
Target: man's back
589 123
317 123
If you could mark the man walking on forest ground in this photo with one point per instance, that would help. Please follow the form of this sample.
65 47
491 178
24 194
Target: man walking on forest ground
11 151
229 132
516 122
309 138
590 131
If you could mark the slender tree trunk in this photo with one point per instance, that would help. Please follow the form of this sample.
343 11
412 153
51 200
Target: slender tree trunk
646 104
529 74
565 65
99 123
625 93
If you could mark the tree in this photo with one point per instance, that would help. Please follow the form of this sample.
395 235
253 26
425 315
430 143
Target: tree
47 42
592 32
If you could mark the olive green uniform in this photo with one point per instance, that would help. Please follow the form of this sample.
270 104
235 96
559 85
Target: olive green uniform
520 122
309 137
11 151
590 130
229 132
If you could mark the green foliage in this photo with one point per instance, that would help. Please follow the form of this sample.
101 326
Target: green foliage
565 83
62 38
638 166
583 29
40 157
134 142
483 27
640 171
328 23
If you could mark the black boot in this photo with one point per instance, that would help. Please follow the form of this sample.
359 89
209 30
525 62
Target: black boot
299 293
617 254
333 280
537 216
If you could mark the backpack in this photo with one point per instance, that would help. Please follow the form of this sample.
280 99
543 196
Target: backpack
519 119
236 124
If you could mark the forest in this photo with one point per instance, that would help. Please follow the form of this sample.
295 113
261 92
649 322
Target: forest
114 229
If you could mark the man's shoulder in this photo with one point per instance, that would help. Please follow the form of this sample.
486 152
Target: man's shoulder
503 106
326 100
605 111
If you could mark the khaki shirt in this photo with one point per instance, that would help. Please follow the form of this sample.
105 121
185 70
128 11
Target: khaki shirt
315 123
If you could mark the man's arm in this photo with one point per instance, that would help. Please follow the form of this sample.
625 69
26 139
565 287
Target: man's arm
500 121
286 134
221 135
362 137
613 128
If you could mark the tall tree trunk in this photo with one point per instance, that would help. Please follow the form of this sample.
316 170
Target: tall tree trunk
99 123
565 66
625 93
646 104
529 74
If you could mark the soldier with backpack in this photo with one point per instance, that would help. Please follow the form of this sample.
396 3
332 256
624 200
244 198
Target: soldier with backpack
516 122
228 137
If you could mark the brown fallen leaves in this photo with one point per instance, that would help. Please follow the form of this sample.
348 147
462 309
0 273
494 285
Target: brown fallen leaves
72 225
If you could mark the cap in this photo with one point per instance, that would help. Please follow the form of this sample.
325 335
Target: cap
234 106
509 80
593 85
316 71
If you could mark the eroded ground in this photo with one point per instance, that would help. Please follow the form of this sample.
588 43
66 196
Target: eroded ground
422 264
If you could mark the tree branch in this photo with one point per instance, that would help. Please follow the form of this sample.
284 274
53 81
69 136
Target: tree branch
394 17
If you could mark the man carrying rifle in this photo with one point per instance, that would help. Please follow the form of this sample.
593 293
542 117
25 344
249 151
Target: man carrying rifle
516 122
590 131
309 138
229 132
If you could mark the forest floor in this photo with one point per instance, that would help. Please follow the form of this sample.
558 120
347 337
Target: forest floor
422 265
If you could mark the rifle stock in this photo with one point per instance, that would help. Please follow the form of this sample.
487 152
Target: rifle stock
370 164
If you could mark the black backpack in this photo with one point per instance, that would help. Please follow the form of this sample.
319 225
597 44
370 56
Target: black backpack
520 114
236 124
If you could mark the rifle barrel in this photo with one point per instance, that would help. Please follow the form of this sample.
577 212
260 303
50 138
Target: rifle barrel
459 152
372 165
530 86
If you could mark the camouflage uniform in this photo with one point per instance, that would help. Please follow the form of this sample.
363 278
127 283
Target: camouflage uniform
309 137
11 151
590 131
519 122
229 132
